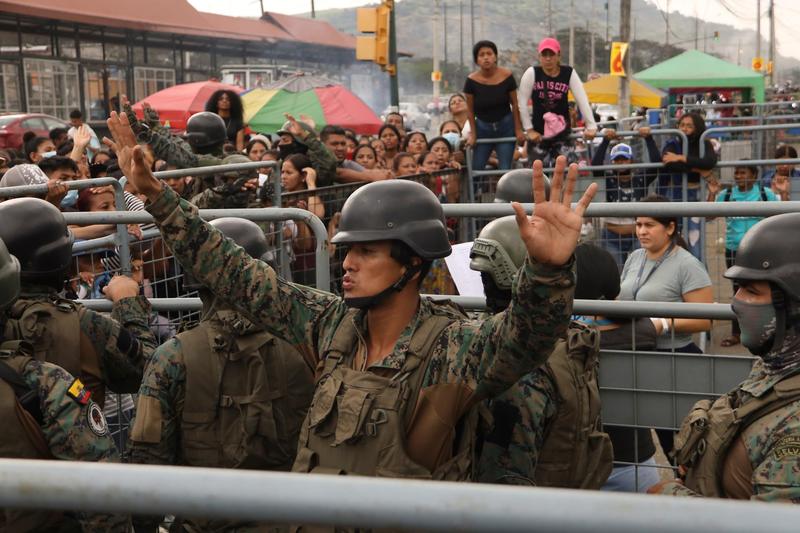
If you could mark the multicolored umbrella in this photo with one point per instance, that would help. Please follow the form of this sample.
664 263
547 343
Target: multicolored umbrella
177 103
325 101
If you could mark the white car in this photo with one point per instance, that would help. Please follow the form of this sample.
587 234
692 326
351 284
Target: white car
414 116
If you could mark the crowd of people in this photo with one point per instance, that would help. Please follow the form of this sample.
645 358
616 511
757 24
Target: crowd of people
375 380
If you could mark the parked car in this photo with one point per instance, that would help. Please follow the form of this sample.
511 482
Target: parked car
14 125
414 116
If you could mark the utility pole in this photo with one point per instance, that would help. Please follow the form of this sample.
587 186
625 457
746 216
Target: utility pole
472 22
696 28
483 19
261 2
739 52
549 17
624 97
590 32
571 32
444 30
436 82
666 20
772 41
395 89
461 32
608 40
313 10
758 28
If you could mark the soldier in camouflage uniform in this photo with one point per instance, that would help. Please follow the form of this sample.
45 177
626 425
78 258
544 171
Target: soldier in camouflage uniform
519 426
300 137
396 373
179 422
235 189
103 351
746 444
47 414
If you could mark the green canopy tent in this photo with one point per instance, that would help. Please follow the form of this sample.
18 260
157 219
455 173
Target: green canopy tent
695 70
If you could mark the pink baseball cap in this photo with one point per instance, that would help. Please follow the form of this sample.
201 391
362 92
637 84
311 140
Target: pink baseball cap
549 43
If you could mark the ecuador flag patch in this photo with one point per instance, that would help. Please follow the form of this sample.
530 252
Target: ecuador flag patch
78 392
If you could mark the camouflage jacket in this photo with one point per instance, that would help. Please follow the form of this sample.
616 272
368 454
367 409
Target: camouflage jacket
322 159
484 357
75 430
772 444
123 342
519 420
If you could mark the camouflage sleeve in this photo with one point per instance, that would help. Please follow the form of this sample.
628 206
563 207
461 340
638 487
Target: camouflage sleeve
171 149
776 450
322 159
672 488
489 356
520 417
155 428
75 430
123 341
289 311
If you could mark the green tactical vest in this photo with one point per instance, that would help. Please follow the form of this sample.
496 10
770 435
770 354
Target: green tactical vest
21 439
576 453
358 421
247 394
52 325
707 433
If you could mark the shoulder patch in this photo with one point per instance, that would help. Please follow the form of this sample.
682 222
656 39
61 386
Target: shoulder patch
787 447
78 392
97 422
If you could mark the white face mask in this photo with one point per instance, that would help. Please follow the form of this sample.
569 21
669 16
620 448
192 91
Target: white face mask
51 153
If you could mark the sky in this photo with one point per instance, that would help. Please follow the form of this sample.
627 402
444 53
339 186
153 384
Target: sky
738 13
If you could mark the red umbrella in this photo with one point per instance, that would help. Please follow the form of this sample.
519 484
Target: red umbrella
177 103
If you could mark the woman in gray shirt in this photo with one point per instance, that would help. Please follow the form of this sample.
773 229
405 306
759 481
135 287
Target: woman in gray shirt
662 270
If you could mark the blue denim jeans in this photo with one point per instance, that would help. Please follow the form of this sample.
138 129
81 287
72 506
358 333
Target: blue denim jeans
494 130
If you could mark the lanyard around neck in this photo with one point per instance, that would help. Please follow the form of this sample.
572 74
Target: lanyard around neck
639 281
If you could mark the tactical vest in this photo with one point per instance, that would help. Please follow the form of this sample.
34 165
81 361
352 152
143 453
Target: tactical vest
53 326
247 394
358 421
22 436
576 453
711 427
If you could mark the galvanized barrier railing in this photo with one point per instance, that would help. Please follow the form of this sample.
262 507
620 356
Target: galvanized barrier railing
357 501
121 238
755 106
729 129
256 215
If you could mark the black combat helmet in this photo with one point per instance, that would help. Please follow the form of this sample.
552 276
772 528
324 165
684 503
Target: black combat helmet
517 186
769 252
9 278
35 232
205 131
395 210
243 232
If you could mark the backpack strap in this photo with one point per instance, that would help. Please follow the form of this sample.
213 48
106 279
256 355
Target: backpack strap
763 192
785 392
727 197
27 406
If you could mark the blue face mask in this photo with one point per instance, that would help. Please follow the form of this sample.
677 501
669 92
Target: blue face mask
70 199
453 138
51 153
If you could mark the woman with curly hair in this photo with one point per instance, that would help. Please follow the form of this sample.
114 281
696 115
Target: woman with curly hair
228 105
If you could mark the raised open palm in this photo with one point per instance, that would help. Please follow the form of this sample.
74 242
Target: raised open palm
551 233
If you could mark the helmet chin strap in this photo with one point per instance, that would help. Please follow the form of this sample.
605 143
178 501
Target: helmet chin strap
368 302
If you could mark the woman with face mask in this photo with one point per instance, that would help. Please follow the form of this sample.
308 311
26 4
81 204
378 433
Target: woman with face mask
38 148
750 437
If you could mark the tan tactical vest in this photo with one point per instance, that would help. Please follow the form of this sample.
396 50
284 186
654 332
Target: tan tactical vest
707 433
21 438
247 394
576 453
52 325
358 421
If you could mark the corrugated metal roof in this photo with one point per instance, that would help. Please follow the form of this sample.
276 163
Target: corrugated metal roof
178 16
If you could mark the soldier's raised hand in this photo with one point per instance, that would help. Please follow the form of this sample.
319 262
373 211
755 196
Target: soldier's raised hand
121 287
551 234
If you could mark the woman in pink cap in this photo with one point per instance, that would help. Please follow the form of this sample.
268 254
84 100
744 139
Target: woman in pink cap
547 85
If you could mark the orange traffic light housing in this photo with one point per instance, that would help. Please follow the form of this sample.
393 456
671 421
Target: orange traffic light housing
373 20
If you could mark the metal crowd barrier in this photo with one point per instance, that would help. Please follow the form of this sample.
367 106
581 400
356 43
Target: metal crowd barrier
357 501
121 238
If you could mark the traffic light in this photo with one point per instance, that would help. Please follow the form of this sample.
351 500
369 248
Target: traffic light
374 20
